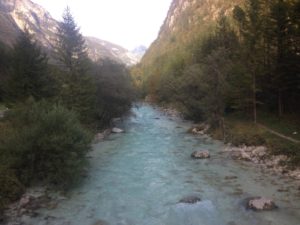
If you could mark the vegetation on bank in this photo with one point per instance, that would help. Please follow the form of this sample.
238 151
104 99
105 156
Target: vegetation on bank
246 62
242 131
53 109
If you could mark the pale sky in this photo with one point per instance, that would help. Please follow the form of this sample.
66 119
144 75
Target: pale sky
128 23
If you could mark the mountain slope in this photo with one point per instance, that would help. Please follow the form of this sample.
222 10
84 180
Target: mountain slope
186 21
17 15
99 49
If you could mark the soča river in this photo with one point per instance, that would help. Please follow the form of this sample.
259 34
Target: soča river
138 178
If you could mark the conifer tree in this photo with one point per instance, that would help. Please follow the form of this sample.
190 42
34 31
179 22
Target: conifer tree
78 89
71 49
29 75
250 25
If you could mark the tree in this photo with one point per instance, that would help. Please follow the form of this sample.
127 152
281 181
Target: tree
250 29
5 58
71 49
43 142
29 75
114 91
78 89
286 56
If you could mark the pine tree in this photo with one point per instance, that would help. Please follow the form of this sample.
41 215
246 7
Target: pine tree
4 67
78 89
71 48
250 26
29 75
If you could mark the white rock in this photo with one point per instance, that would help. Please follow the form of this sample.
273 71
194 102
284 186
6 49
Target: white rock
200 155
261 203
117 130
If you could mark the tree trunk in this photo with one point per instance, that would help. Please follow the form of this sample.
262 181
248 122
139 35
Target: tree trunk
254 99
280 104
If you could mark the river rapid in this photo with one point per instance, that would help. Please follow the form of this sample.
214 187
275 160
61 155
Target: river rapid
138 178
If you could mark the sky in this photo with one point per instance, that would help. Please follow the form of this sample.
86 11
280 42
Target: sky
129 23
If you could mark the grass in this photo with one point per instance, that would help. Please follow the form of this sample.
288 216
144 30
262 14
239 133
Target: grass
241 131
2 106
288 125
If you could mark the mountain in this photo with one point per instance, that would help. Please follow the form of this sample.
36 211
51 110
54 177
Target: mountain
18 15
186 22
99 49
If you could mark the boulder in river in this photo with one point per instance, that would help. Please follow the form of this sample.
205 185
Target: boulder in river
190 200
100 222
261 204
199 129
200 154
117 130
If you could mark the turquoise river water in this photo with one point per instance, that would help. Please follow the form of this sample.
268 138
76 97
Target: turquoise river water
138 177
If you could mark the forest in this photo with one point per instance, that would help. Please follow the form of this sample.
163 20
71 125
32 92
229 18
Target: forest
52 105
240 73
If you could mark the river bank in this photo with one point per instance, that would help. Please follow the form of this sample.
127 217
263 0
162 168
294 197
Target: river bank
259 155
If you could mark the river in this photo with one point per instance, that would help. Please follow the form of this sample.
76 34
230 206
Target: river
138 177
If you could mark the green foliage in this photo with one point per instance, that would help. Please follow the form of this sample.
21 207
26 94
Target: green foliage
43 137
71 50
240 131
114 91
246 63
5 58
44 142
28 72
78 88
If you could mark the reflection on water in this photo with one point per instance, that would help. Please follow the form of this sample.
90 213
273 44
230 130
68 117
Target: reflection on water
138 178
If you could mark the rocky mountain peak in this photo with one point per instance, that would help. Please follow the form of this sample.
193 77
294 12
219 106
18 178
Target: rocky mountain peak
7 5
187 13
18 15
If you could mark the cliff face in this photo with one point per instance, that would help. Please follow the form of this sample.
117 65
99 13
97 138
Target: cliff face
24 14
17 15
185 22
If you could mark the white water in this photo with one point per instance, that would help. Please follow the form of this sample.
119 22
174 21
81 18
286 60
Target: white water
137 178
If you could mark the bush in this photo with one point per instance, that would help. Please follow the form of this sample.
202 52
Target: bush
44 143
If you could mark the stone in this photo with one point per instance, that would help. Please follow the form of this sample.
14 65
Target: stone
231 177
245 156
282 190
200 129
190 200
99 137
236 155
261 204
200 155
100 222
117 130
25 201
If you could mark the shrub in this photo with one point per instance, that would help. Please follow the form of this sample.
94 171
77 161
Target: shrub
45 143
